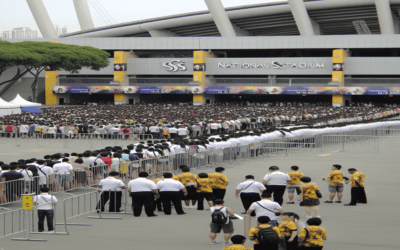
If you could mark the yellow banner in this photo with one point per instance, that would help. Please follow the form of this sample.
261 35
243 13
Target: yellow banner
51 80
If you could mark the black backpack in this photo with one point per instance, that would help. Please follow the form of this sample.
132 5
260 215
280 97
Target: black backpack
267 236
218 217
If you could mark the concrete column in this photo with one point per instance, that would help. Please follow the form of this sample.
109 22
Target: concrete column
301 17
396 24
385 16
83 12
42 18
220 17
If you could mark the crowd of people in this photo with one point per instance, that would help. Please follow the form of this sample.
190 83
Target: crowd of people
170 121
195 129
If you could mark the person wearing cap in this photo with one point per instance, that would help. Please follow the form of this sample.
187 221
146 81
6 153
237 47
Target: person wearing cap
249 191
170 192
276 182
220 182
309 197
238 243
111 190
335 179
45 206
357 187
142 191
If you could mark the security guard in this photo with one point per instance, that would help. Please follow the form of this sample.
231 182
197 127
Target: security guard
170 192
220 182
357 187
142 192
112 189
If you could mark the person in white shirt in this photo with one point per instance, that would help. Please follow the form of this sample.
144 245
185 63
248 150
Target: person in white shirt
265 207
216 228
170 192
142 190
22 168
183 132
154 130
64 172
112 189
44 173
45 206
173 132
275 182
249 191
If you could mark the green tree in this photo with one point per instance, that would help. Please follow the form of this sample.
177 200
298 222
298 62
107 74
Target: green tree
60 57
11 56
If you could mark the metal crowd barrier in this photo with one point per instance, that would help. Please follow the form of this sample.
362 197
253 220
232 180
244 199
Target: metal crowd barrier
12 222
360 142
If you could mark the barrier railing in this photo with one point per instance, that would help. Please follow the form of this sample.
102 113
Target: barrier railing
360 142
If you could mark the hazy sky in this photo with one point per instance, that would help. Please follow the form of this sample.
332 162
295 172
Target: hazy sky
16 13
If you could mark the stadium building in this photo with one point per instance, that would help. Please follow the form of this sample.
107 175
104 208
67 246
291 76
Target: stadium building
333 51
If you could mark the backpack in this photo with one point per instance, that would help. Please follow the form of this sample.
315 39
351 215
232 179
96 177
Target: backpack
267 236
218 217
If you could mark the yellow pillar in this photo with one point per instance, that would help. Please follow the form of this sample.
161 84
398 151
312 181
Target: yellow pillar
199 73
338 59
120 72
51 80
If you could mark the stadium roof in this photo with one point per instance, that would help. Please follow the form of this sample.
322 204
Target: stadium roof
329 17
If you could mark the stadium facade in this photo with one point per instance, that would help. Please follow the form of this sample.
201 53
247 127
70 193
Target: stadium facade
334 51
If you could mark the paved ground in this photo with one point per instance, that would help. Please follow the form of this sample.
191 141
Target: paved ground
368 227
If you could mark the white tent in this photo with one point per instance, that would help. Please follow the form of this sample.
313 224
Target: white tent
21 102
8 108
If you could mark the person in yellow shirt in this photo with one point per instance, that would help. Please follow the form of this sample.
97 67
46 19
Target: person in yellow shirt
263 223
357 187
220 182
309 196
204 191
238 243
294 183
289 230
312 237
335 179
189 181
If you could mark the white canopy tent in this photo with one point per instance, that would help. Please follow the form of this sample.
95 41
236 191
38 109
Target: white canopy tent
7 108
21 102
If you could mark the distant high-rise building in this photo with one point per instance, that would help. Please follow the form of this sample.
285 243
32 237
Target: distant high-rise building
21 32
7 34
60 29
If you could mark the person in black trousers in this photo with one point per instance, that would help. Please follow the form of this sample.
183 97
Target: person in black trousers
249 191
112 190
142 191
275 182
170 192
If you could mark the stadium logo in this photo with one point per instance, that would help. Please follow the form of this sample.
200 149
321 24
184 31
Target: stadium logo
175 65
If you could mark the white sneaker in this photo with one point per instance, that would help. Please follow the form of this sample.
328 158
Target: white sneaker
308 217
194 207
187 207
319 216
214 242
